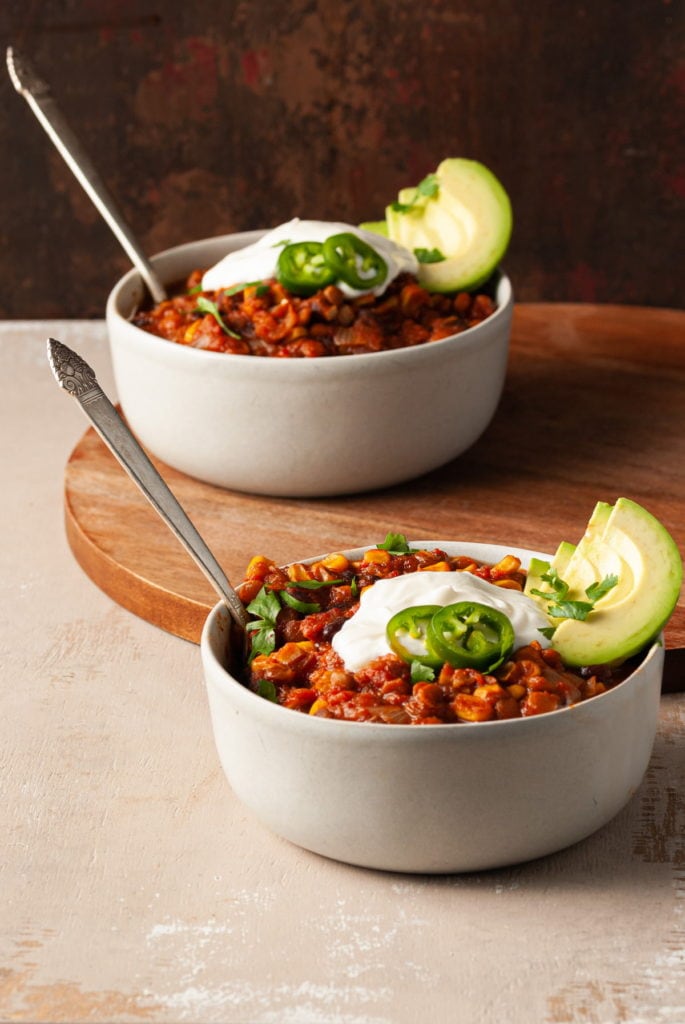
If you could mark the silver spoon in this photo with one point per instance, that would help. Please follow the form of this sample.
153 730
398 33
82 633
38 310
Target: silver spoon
78 378
37 94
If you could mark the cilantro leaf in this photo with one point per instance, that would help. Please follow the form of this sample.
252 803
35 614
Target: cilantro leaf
429 255
207 306
313 584
421 673
306 607
262 288
263 640
395 543
559 587
195 290
560 607
598 590
267 689
570 610
428 189
266 607
430 186
547 631
401 207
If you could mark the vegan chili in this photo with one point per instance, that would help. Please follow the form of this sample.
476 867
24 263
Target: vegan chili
265 319
299 608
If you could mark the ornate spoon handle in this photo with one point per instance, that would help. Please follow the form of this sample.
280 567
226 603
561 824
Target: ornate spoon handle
37 94
78 378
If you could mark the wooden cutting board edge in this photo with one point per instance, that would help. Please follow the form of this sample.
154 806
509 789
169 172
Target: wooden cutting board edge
175 613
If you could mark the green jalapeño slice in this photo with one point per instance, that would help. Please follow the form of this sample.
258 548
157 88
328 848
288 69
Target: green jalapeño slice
302 268
354 261
470 635
407 634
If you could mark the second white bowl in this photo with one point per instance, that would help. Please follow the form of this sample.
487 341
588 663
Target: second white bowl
432 798
302 427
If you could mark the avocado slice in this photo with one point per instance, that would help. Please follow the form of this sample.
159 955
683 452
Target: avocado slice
538 568
629 542
467 218
379 227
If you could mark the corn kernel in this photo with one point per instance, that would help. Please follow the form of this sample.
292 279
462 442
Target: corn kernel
191 331
508 584
336 563
469 708
297 571
258 567
318 705
265 666
489 690
377 556
293 653
436 567
507 565
516 690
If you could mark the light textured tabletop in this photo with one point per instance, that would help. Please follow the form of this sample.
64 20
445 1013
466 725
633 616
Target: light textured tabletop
134 887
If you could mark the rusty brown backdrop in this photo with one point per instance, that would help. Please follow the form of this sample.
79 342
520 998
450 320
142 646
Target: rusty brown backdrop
216 116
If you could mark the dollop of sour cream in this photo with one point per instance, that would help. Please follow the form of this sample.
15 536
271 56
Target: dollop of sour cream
257 262
363 638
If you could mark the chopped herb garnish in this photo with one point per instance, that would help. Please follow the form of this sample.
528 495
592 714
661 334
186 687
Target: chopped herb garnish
313 584
261 288
195 290
597 590
354 587
267 689
429 255
395 543
207 306
560 607
421 673
306 607
570 610
426 189
266 607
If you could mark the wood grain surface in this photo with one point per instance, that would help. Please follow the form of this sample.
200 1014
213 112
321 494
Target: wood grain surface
592 409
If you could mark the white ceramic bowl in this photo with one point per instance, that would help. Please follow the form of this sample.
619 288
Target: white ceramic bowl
433 798
302 427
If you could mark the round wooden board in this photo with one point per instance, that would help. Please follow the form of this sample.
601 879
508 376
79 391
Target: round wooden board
591 410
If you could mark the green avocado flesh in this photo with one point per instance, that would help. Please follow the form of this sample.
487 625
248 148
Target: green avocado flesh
379 227
626 541
468 219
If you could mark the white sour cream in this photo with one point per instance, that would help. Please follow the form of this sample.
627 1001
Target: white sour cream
362 638
257 262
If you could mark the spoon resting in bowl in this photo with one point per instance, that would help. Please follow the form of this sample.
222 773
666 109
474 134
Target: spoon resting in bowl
37 94
75 376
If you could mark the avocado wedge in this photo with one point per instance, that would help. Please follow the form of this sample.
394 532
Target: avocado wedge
460 218
628 543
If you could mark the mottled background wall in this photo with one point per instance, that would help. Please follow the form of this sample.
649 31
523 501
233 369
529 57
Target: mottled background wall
215 116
